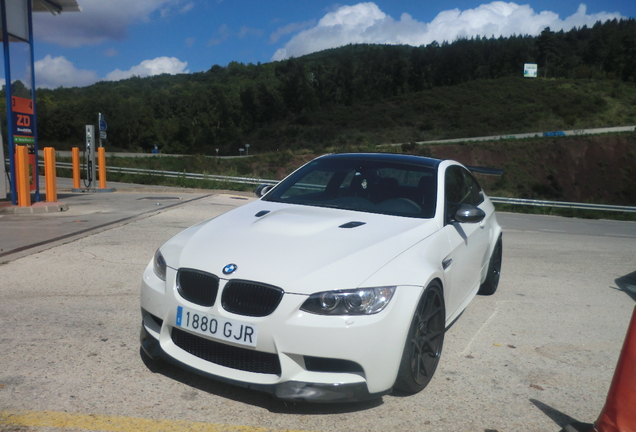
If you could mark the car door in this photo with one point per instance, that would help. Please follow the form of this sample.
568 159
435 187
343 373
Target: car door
468 241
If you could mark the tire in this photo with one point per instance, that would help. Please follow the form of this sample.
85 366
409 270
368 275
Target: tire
423 346
494 270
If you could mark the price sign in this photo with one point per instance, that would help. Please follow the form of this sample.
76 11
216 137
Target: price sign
23 127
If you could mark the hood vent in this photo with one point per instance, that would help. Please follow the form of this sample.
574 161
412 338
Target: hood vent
352 224
261 213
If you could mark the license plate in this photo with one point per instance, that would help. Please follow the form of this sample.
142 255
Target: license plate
216 327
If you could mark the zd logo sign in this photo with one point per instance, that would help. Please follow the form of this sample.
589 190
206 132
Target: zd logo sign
23 120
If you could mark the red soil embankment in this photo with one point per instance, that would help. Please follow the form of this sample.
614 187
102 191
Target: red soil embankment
598 169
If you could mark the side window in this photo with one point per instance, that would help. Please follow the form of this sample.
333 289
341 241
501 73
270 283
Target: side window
473 195
461 188
454 181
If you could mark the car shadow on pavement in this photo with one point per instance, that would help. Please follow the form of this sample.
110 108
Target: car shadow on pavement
567 423
251 397
627 284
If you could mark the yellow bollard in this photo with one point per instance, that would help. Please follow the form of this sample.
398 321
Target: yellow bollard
50 174
76 168
22 173
101 160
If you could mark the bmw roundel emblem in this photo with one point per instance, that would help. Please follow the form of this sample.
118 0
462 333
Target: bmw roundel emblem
229 269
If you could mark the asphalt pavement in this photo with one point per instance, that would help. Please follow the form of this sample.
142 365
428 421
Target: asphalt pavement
25 230
537 355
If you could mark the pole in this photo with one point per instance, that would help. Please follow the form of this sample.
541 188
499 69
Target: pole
50 174
99 126
7 80
90 149
24 192
101 157
3 174
76 168
36 173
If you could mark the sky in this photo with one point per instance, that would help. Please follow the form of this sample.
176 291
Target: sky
112 40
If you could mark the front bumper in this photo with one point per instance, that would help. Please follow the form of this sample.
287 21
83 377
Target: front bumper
318 358
289 390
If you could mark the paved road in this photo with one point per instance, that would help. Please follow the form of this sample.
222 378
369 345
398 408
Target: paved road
87 213
537 355
567 226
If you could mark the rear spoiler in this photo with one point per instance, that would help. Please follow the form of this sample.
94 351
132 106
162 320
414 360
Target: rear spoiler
486 171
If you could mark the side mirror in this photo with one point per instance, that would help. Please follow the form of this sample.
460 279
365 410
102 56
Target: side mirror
261 190
469 214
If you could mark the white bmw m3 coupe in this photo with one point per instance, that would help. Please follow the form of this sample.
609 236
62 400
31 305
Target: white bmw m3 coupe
336 285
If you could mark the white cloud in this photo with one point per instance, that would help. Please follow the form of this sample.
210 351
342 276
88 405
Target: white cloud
100 20
170 9
247 31
53 72
158 66
222 33
290 28
187 8
366 23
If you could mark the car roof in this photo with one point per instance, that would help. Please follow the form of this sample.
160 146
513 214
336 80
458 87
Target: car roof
388 157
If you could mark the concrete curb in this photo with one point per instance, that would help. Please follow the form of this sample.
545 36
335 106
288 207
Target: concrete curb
36 208
75 190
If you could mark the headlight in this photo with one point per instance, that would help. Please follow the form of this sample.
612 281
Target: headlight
361 301
159 265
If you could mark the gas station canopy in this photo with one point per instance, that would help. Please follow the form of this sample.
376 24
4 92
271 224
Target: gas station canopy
56 7
15 26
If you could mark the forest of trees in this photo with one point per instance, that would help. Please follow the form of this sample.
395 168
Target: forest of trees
226 107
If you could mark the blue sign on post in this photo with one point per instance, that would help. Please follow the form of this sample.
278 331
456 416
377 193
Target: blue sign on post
102 123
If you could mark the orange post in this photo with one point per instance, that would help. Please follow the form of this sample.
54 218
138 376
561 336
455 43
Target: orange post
76 168
22 174
101 161
50 174
619 412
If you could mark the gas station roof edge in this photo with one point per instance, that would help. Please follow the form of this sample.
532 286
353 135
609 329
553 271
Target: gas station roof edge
56 7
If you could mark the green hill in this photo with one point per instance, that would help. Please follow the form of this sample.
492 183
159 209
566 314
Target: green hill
358 97
363 94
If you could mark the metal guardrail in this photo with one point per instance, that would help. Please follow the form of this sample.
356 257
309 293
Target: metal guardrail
563 204
575 132
529 135
255 181
177 174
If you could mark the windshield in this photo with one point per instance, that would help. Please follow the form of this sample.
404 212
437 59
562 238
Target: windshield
373 186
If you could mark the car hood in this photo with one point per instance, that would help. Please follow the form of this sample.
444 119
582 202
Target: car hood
301 249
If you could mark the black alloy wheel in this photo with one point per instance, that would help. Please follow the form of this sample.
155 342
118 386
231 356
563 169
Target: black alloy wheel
494 270
423 346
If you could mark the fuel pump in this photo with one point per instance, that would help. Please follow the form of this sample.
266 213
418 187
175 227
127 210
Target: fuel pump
90 156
